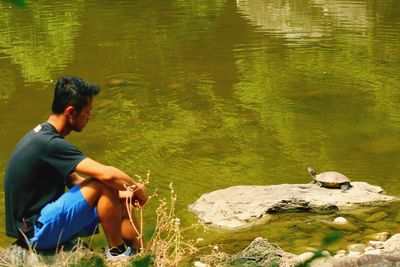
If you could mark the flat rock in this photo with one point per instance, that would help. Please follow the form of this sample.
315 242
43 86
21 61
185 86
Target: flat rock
238 206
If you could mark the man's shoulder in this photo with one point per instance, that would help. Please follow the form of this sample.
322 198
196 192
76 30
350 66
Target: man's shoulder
36 138
57 143
43 141
41 134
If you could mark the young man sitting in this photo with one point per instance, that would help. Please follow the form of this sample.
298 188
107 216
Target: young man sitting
39 213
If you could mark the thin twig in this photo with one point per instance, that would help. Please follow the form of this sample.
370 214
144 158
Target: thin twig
129 205
141 228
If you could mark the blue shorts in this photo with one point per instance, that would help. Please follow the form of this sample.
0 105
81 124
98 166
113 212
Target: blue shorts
67 217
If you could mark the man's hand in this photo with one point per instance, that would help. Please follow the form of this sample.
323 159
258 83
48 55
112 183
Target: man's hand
138 193
125 194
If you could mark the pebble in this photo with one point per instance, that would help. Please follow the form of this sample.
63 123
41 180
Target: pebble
342 223
356 247
381 236
199 264
312 249
340 220
340 254
369 248
342 251
325 253
354 253
323 261
376 244
305 256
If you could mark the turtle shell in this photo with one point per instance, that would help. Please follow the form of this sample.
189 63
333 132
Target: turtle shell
332 179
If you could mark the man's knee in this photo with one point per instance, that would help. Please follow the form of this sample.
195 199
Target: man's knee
92 183
92 189
92 186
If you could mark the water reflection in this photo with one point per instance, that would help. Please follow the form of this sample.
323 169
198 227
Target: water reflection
7 83
40 39
301 23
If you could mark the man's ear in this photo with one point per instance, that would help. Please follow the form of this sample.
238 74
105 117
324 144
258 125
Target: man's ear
70 111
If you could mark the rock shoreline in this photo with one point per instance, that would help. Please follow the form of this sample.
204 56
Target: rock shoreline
383 252
240 206
262 253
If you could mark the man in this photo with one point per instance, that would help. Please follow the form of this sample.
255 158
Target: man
38 211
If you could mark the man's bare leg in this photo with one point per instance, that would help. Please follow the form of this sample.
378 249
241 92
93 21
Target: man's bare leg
127 231
108 208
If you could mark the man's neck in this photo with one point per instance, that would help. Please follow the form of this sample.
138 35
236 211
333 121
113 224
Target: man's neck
60 122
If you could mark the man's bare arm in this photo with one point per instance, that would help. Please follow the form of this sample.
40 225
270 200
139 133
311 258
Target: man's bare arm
112 177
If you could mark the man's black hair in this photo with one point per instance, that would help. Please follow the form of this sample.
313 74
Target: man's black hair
72 91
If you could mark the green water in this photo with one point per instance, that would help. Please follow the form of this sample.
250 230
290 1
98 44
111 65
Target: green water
210 94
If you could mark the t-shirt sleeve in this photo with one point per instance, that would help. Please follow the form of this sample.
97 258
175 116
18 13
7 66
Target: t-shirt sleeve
62 155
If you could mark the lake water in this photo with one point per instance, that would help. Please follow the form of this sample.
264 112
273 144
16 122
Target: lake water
211 94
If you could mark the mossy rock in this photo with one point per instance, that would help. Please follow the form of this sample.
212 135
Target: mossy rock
259 253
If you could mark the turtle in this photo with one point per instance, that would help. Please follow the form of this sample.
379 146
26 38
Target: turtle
330 179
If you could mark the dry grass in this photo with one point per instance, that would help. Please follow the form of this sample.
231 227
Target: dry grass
168 246
80 256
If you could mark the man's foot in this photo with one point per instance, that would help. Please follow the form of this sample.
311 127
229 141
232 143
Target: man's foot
116 254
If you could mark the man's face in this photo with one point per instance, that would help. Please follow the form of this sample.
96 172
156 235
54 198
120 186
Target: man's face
79 121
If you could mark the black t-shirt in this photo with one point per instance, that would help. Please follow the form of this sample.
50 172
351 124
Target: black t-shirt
36 174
